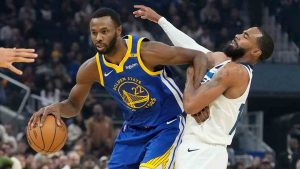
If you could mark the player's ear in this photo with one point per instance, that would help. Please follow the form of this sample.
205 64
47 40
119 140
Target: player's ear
256 52
119 30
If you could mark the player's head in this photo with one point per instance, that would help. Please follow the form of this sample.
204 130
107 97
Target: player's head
98 111
253 42
105 28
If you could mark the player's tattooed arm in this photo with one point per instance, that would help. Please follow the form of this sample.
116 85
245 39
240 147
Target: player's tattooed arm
196 99
231 81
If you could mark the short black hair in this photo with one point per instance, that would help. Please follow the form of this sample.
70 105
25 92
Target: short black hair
107 12
266 44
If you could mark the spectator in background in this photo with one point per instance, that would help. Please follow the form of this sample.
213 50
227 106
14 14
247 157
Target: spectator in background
139 30
256 163
269 156
50 94
193 29
296 157
235 22
101 142
285 158
103 162
76 166
298 164
74 131
90 162
239 165
28 76
266 164
74 158
27 11
8 10
222 39
206 39
6 31
210 15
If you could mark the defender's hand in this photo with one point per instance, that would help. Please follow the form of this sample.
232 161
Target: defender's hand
190 73
8 56
146 13
42 114
202 115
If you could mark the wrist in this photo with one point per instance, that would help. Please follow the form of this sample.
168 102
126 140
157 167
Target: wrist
162 20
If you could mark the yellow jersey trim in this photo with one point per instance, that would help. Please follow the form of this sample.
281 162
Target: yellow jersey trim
138 54
158 161
99 69
119 68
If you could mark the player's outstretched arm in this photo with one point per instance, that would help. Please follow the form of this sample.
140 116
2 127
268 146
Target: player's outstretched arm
8 56
156 54
86 76
177 37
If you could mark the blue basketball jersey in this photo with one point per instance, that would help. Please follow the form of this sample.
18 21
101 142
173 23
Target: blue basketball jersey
146 98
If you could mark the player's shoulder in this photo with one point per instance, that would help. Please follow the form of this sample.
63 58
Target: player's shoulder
216 58
147 44
88 71
90 62
235 70
150 48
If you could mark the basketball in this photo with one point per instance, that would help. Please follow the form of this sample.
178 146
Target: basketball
49 138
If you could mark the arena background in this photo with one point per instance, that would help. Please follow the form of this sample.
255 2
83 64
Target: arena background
58 29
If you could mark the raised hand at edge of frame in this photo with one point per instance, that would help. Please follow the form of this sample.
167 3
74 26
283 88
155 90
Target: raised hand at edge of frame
145 12
8 56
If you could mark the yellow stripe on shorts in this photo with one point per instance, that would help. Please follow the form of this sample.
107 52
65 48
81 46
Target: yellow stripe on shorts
160 161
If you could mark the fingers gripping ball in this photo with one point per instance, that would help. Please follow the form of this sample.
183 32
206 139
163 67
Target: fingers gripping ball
48 138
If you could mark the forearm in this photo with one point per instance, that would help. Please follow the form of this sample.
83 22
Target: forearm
179 38
188 99
69 109
200 64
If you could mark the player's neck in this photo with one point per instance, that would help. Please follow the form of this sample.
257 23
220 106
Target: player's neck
116 55
245 60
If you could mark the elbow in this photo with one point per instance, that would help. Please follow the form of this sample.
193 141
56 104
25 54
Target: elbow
192 105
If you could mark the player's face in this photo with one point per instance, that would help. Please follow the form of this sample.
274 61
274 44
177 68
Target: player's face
234 51
104 33
243 43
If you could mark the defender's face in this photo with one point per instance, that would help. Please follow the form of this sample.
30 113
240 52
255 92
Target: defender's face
104 33
247 40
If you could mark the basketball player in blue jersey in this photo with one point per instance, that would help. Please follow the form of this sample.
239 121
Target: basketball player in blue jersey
8 56
132 69
223 91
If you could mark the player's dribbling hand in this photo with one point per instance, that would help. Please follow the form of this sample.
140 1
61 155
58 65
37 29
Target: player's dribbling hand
43 113
202 115
146 13
8 56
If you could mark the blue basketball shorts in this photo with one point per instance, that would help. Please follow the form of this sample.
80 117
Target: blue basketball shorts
147 147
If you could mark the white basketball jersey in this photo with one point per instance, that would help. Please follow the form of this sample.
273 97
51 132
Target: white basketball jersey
225 113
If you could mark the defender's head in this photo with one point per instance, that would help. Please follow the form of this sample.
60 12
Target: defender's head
253 42
105 28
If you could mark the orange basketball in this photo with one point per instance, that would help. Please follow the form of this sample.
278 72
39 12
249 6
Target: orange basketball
49 138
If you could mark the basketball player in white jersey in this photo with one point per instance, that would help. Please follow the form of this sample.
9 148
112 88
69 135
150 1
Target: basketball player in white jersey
223 90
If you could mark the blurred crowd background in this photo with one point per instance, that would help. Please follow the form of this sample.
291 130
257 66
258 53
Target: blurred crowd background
58 30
